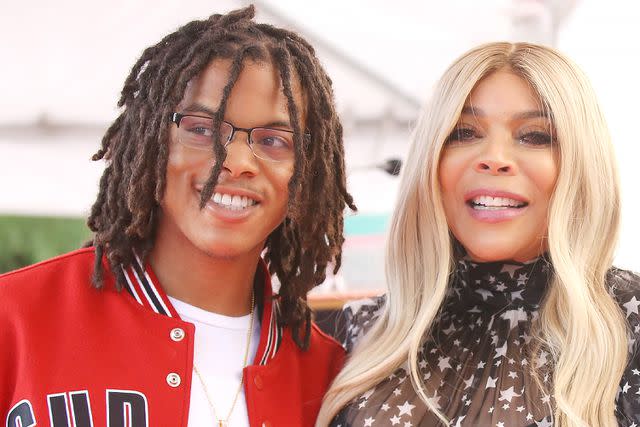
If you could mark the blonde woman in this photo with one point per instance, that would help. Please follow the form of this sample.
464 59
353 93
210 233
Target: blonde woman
503 308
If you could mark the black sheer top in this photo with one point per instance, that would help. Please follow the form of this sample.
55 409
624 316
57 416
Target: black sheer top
475 364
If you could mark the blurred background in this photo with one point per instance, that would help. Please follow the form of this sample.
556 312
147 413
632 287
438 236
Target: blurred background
63 64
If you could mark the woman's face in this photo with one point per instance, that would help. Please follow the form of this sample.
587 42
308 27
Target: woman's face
498 170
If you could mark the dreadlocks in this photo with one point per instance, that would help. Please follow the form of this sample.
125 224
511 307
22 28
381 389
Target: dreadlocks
125 214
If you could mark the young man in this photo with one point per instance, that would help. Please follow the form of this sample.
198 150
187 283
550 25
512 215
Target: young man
228 150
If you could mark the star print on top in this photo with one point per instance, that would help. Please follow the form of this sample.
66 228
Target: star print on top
475 364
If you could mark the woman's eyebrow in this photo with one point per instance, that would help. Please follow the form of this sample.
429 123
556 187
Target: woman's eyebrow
474 111
533 114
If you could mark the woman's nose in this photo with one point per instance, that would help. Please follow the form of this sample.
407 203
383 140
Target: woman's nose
496 158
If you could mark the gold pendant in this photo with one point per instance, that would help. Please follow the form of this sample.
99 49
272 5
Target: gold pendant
222 423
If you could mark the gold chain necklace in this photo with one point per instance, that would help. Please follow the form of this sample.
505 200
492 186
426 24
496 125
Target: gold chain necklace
224 422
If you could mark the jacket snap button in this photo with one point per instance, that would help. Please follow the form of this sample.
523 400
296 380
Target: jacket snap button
173 379
177 334
258 382
266 424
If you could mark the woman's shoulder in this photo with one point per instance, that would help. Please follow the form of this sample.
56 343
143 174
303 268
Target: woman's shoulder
625 288
623 279
359 316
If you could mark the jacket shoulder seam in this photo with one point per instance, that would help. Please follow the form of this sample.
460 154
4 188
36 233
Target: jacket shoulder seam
78 252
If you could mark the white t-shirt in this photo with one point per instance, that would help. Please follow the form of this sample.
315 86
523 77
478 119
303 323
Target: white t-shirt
220 344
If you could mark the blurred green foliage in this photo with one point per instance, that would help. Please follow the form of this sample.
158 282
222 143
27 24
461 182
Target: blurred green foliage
27 240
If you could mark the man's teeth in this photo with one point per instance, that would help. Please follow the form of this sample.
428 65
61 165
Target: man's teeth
488 202
233 202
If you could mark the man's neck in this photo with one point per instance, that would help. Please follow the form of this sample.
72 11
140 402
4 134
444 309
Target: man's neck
217 284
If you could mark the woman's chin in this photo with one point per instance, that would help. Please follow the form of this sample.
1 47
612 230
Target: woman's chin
501 254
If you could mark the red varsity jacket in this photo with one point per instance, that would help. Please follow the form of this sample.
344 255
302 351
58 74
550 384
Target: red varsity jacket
73 355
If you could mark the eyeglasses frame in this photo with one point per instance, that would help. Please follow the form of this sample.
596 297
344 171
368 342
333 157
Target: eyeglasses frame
177 118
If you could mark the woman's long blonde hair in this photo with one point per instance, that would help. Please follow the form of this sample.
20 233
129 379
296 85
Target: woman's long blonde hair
580 323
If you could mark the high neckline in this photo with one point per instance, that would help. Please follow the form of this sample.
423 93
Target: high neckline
500 285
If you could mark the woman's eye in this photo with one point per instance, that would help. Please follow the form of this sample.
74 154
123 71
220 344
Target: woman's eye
536 138
461 134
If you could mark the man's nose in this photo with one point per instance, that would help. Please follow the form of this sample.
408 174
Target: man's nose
240 158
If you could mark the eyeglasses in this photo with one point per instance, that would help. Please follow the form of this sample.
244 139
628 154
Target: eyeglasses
266 143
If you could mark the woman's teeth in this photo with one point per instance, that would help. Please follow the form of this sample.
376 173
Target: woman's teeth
233 202
489 203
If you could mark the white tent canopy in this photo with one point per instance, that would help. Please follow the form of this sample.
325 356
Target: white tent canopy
64 63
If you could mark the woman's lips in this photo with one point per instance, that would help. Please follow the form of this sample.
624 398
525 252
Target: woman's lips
491 206
494 215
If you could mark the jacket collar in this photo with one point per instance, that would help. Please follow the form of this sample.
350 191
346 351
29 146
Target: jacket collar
144 287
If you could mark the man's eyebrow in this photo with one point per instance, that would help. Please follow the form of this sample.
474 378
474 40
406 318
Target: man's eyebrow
277 124
533 114
199 108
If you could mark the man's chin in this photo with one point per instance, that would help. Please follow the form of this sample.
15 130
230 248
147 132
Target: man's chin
227 252
222 253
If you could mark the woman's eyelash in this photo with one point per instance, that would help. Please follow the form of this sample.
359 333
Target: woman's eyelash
461 134
536 138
